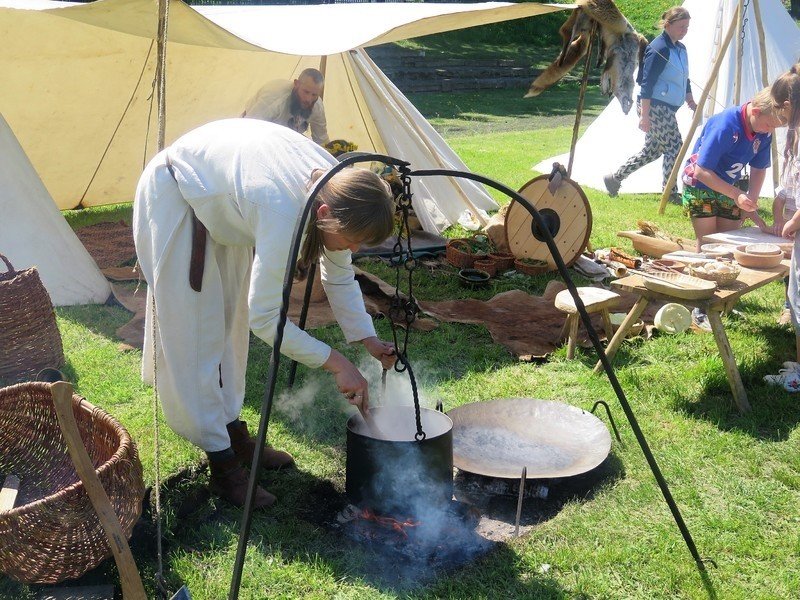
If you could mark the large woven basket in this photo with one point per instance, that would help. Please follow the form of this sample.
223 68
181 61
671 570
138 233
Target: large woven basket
53 532
29 337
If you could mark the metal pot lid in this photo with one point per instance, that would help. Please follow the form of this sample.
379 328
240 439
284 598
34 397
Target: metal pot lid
552 439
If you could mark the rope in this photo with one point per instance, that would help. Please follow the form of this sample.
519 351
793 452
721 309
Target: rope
119 124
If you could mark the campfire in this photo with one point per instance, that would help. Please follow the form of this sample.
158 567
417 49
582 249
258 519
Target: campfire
442 537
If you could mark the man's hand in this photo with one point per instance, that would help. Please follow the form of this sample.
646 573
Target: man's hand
349 381
382 351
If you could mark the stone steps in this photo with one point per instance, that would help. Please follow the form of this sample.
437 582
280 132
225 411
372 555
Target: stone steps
413 71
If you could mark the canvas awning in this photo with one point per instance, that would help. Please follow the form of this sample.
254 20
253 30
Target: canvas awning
77 79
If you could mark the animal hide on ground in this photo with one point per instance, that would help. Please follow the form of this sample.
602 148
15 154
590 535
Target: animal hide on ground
621 49
528 326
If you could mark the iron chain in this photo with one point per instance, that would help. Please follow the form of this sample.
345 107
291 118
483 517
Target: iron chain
405 310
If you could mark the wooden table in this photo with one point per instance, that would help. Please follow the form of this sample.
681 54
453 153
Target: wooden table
723 300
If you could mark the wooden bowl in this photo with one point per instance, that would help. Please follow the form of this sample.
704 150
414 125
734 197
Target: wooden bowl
666 263
755 261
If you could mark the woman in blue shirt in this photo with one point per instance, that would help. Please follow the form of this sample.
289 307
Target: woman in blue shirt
664 81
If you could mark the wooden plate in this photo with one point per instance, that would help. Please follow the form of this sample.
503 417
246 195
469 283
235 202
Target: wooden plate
567 213
679 285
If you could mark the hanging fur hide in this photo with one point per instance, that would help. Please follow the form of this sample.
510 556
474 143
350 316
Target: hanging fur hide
621 50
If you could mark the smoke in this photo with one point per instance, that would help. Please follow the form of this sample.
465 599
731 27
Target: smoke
399 391
316 408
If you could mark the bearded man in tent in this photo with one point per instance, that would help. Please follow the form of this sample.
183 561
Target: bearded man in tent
295 105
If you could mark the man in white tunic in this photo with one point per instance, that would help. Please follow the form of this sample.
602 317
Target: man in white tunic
243 184
296 105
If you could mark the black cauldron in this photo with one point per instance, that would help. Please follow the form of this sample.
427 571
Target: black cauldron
392 473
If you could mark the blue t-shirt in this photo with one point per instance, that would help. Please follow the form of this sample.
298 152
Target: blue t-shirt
725 146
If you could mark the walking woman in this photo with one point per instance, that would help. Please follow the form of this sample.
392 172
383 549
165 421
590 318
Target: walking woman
664 80
213 222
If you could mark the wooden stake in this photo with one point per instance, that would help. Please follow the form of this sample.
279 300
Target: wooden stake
698 112
519 499
581 98
132 588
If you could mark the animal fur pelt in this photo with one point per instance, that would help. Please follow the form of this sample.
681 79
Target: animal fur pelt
621 50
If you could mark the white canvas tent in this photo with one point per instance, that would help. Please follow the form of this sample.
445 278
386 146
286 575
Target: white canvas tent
33 233
77 84
613 137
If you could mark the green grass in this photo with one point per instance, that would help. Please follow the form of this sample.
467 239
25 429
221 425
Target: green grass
736 478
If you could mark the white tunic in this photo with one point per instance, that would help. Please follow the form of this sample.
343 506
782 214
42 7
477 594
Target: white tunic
246 181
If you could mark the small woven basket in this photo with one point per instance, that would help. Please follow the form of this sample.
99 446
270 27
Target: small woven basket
528 269
459 253
29 336
486 264
53 532
503 260
721 279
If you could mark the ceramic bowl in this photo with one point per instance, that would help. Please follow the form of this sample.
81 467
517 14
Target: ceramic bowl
755 261
718 250
763 249
473 278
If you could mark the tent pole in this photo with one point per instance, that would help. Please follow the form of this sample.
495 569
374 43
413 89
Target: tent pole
764 83
581 99
737 82
421 137
323 66
161 71
698 113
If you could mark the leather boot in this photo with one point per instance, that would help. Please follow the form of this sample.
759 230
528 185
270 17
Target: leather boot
244 447
229 482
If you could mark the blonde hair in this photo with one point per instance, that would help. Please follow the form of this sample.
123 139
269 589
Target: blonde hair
361 207
672 15
786 88
763 102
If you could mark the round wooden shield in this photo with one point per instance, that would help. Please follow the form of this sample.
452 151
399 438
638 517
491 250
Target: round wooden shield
567 214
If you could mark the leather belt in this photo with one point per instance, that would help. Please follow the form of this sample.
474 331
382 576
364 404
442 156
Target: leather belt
197 259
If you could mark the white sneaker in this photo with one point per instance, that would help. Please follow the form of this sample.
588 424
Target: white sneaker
700 320
790 366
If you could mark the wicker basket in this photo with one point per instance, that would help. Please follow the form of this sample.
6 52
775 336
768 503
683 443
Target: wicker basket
29 337
53 532
528 269
721 279
503 260
459 253
486 264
